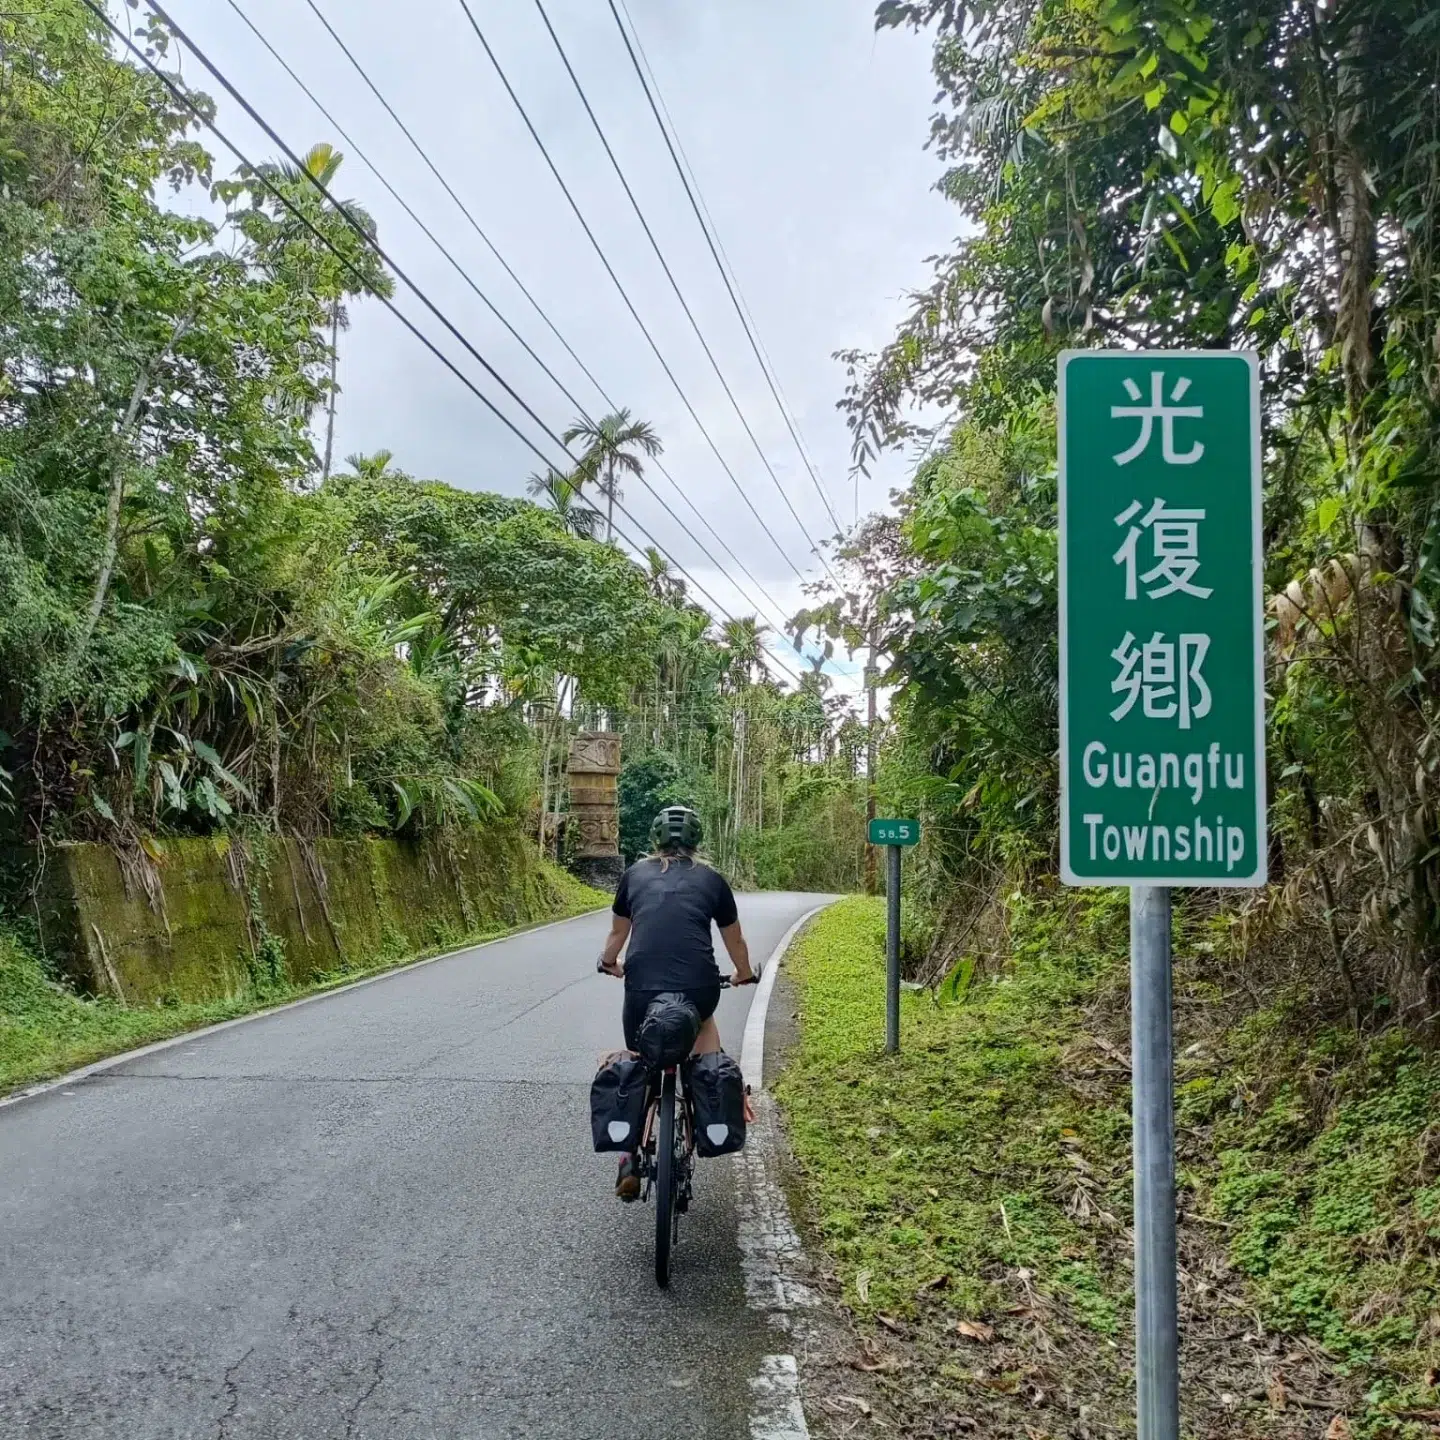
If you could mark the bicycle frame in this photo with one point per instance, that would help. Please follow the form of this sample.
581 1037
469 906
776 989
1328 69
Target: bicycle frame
667 1159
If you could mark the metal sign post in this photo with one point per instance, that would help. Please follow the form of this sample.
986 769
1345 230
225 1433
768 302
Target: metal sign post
894 835
1162 720
1157 1360
892 949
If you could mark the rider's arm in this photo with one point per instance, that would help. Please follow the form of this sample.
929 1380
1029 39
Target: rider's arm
738 951
619 929
727 921
614 944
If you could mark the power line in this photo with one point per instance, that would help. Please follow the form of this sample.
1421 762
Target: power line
675 286
400 201
775 608
712 239
624 294
369 240
430 165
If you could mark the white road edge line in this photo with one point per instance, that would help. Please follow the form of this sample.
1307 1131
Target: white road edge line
187 1036
777 1414
766 1236
752 1044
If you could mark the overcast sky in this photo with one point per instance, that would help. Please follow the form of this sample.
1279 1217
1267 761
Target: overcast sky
806 132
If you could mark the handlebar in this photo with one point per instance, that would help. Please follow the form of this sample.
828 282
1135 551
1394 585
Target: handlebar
727 982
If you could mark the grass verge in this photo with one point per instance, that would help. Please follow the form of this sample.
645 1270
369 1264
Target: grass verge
46 1028
972 1194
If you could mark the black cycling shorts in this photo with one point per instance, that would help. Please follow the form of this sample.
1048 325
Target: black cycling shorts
703 997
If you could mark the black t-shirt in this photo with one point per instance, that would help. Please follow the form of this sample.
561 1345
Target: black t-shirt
671 907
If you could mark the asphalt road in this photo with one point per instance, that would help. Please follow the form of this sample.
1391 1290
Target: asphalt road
377 1215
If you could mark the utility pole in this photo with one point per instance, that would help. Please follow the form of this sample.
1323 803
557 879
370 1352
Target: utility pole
870 673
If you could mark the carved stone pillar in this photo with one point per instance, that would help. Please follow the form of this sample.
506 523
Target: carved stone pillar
594 809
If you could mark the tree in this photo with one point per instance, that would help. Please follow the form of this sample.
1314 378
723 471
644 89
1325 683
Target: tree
1196 173
563 494
321 163
744 649
613 446
664 584
371 467
204 625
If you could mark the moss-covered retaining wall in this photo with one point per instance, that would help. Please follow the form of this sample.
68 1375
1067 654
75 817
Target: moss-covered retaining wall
202 919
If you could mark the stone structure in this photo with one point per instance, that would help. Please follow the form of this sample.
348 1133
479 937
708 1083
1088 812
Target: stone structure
594 810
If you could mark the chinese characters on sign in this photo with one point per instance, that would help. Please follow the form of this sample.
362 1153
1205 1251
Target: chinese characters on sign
1162 773
1175 535
1157 677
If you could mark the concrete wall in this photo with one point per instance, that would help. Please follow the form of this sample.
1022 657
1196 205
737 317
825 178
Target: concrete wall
194 919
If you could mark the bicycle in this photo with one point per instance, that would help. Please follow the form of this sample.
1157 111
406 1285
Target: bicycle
666 1157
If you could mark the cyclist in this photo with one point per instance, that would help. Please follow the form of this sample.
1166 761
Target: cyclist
663 907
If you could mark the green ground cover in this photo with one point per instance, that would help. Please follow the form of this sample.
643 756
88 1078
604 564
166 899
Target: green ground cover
972 1194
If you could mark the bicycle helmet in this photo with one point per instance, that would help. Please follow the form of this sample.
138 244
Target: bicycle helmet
676 827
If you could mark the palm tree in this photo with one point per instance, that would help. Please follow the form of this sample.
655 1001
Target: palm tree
664 584
745 652
611 444
321 162
562 493
371 467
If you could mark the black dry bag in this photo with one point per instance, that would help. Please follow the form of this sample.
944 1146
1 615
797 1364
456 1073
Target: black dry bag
617 1103
717 1090
668 1031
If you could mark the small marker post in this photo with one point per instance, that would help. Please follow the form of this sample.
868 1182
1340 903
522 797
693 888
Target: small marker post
892 949
894 835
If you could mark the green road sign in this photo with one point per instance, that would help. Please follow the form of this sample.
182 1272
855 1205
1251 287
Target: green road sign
1162 760
894 832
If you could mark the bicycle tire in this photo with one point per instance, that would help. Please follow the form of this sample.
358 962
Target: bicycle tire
665 1182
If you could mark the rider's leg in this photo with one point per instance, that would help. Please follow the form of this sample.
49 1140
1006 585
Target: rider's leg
708 1040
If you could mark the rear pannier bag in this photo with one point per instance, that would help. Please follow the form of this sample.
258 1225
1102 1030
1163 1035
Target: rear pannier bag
617 1103
717 1090
669 1029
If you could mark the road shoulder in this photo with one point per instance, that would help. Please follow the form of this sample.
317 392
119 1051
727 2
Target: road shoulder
813 1390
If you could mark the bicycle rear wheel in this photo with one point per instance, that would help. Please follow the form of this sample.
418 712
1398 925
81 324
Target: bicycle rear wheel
665 1176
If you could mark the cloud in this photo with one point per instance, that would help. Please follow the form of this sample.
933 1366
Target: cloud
805 131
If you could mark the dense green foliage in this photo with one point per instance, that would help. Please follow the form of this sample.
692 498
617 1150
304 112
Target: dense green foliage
1181 173
205 623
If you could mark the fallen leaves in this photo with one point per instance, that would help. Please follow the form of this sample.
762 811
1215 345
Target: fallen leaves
875 1361
976 1330
862 1286
879 1364
891 1324
1339 1429
1275 1391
